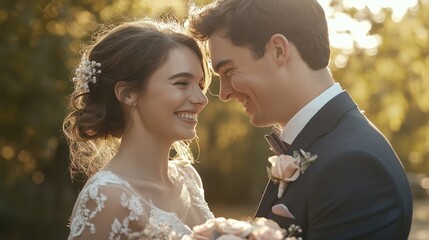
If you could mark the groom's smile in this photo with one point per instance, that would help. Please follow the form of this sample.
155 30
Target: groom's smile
244 102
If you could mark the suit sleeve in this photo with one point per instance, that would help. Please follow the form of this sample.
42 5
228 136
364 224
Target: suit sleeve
354 197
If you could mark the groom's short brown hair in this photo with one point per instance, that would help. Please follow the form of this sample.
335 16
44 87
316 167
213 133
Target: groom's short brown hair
251 23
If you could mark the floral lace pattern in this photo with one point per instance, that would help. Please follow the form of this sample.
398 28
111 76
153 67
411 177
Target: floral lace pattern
84 214
106 191
161 217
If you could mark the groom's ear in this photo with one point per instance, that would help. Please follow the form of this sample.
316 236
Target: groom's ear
278 46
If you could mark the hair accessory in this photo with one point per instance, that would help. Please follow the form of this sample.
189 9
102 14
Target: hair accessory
86 73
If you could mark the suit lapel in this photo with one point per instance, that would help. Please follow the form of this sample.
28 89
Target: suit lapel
267 199
322 123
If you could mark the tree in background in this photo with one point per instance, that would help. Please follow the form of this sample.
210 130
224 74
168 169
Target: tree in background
391 82
39 44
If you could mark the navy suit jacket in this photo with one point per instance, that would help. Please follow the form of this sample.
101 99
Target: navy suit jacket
355 189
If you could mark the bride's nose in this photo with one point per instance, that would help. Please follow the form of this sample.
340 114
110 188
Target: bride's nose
198 97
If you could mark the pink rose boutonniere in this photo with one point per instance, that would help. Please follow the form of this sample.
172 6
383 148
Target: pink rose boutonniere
287 168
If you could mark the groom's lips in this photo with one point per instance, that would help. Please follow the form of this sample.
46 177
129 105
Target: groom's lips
244 102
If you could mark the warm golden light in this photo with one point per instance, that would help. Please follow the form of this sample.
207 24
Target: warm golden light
38 177
7 152
345 31
398 7
425 183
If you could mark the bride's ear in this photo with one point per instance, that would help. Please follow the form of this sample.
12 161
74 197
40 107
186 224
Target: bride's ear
278 46
125 95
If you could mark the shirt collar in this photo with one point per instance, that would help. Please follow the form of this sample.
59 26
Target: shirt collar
303 116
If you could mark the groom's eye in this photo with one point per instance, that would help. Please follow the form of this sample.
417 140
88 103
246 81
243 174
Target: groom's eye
227 72
202 84
181 83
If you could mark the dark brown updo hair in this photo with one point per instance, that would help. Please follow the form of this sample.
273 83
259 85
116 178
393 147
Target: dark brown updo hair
130 52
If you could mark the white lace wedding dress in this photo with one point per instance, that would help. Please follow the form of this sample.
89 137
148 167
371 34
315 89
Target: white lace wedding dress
110 207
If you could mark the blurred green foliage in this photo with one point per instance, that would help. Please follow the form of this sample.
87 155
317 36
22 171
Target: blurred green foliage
39 44
391 84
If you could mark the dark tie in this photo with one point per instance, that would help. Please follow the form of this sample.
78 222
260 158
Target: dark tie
277 145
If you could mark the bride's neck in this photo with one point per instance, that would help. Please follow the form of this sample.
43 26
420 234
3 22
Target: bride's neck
142 158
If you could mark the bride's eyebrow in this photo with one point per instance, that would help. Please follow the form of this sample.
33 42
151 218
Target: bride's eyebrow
182 75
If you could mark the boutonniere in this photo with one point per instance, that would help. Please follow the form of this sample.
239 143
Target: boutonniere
287 168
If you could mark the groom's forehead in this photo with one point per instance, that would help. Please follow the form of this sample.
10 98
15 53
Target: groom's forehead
221 51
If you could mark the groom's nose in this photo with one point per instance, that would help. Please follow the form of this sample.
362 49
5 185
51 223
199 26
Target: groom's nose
225 90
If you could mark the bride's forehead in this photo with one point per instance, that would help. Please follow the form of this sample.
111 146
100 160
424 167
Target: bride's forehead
180 60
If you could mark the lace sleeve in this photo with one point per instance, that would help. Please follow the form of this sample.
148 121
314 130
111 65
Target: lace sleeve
106 210
192 173
195 185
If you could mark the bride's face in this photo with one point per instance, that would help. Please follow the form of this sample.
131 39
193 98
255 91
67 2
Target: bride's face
174 97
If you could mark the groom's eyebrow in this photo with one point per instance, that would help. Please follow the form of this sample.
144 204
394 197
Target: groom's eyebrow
220 64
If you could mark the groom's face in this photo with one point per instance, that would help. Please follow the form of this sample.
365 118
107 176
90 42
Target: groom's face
251 82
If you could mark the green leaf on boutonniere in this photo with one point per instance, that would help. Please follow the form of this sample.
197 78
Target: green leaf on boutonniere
306 159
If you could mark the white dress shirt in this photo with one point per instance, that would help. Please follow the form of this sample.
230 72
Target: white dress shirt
303 116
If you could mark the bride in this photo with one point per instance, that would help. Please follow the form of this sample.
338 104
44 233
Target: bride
138 91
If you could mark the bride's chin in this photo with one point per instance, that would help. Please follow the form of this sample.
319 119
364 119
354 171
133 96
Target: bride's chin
189 136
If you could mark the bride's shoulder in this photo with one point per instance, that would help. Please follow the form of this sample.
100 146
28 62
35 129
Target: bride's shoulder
106 178
186 170
106 190
105 181
106 187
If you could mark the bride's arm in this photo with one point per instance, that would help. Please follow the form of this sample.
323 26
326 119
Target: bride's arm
106 212
197 192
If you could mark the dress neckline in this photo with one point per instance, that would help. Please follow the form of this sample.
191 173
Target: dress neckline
152 205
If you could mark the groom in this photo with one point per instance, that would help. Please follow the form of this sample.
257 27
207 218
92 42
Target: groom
272 57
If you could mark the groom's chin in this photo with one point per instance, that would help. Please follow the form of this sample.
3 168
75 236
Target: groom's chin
259 123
